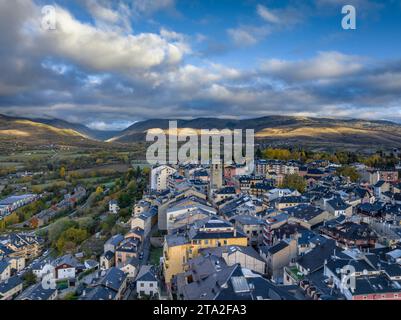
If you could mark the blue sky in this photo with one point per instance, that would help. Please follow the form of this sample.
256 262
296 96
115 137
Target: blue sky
110 63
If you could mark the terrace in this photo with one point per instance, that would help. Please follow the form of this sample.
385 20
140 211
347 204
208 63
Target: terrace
294 273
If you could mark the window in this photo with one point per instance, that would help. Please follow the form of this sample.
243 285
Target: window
142 285
151 285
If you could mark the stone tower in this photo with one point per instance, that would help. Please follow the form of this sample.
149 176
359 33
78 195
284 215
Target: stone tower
216 176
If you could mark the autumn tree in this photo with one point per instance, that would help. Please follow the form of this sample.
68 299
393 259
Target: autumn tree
294 181
99 190
62 172
70 238
349 172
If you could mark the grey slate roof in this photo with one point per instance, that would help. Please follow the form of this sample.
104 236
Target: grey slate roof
218 251
113 278
115 240
146 273
11 283
36 292
99 293
304 211
3 265
314 259
68 259
109 255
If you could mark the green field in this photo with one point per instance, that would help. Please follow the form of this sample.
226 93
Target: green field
155 255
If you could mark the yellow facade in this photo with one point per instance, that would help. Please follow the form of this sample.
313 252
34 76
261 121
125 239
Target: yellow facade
175 257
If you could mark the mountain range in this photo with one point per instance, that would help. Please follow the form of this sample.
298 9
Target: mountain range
325 133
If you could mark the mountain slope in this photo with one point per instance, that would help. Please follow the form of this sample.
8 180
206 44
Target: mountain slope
90 133
323 133
19 132
287 130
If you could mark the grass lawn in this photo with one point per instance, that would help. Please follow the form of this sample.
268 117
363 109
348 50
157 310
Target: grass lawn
155 254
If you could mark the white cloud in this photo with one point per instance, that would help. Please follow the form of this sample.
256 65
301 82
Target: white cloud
105 126
284 17
267 15
101 12
109 50
242 37
151 6
248 35
95 74
326 65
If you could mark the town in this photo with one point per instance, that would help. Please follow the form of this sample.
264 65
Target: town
288 231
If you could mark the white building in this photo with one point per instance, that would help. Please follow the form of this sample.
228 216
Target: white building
43 268
12 203
185 207
113 207
65 267
159 176
278 193
146 282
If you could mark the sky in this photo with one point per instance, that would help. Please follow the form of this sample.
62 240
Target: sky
108 64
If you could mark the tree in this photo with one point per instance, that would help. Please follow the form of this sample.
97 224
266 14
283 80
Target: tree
108 224
125 214
124 200
29 278
11 219
146 172
99 190
58 227
258 154
294 181
138 172
132 187
279 154
350 172
88 224
70 238
62 172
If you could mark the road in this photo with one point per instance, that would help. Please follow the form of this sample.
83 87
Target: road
37 260
131 291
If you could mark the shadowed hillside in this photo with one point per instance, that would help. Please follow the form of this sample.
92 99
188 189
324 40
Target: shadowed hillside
20 133
282 130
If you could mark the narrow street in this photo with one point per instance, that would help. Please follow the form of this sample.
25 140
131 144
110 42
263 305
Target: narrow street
131 291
